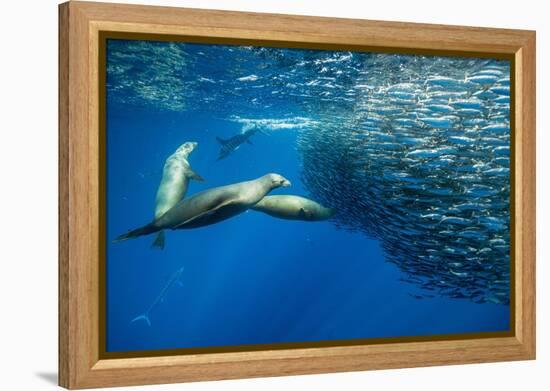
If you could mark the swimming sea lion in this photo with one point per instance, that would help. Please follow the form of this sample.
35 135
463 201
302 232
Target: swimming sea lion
212 206
174 183
291 207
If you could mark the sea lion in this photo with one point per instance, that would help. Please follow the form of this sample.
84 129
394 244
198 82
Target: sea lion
211 206
174 183
291 207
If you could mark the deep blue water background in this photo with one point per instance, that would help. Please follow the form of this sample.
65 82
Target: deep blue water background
252 279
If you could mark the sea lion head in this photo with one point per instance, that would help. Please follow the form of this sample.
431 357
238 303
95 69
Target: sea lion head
316 213
186 148
327 213
276 180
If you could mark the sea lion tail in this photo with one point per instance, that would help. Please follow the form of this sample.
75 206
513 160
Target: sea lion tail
159 241
145 230
330 212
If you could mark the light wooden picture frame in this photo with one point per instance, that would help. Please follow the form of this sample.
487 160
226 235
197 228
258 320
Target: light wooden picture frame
82 27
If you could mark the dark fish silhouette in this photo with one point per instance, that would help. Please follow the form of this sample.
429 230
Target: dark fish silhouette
230 145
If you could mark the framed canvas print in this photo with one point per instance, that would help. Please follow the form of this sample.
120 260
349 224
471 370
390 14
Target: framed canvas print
249 195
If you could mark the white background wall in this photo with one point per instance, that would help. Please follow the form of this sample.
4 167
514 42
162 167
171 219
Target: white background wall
28 195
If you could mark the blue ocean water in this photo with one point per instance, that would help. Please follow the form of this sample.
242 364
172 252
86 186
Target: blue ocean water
255 279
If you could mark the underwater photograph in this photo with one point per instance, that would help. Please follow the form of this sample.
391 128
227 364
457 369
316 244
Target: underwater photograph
260 196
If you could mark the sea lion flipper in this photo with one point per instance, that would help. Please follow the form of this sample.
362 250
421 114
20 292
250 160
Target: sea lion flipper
194 218
145 230
203 214
159 241
193 175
